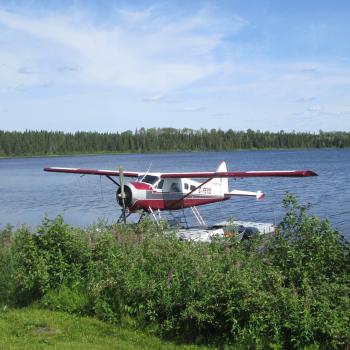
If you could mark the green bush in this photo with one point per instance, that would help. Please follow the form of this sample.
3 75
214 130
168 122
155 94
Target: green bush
290 291
54 255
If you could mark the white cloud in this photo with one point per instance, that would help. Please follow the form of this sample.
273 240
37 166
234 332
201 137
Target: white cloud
135 16
221 115
154 98
286 80
188 109
141 50
15 75
315 109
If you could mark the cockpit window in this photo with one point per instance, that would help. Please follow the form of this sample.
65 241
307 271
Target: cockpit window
149 179
160 184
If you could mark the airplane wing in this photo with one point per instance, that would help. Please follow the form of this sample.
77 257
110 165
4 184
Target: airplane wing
241 174
91 171
202 175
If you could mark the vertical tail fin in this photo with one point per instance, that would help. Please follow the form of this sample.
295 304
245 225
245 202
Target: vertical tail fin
223 182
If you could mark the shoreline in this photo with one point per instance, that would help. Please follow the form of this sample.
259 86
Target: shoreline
167 151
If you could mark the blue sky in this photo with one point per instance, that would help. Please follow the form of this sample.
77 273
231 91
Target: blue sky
118 65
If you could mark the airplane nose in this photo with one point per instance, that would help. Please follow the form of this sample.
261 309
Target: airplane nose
128 196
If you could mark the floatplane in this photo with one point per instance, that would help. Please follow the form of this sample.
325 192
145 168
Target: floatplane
150 192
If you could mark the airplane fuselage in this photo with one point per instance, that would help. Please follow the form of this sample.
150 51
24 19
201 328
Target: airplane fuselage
174 194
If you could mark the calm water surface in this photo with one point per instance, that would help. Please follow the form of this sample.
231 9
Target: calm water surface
27 193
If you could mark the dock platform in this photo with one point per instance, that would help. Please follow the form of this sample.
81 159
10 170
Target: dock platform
242 229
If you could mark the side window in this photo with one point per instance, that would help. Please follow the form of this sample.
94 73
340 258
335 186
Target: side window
186 186
160 184
192 187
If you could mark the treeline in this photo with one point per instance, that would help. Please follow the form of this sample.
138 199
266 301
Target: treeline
15 143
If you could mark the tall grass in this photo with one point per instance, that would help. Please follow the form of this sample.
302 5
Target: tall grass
290 291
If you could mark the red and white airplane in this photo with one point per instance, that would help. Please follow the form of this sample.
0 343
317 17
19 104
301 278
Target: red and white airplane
151 192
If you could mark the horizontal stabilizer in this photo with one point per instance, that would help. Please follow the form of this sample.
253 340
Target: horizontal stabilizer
258 195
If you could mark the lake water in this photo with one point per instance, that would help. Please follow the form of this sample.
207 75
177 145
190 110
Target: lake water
27 193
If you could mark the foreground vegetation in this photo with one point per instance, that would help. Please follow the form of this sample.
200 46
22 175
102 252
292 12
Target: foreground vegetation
289 292
30 143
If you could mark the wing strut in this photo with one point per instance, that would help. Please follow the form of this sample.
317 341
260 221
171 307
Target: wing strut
110 178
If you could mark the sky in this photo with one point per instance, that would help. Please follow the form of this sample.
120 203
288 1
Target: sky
111 66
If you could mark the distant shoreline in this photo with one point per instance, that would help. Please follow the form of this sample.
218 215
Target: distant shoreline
159 152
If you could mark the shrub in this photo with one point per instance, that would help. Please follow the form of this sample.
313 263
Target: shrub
54 255
290 291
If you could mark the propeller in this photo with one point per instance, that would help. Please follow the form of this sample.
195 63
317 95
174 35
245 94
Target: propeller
122 192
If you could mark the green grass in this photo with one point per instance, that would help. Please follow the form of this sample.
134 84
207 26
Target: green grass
41 329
